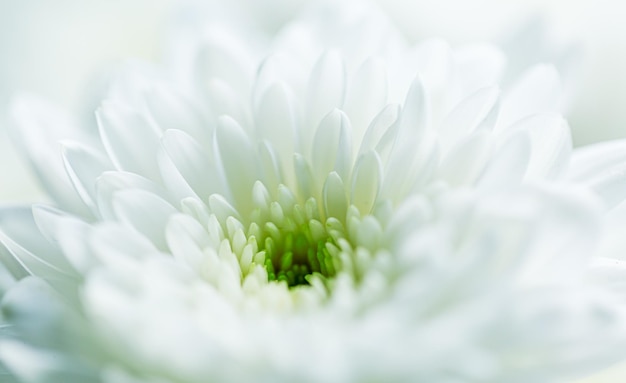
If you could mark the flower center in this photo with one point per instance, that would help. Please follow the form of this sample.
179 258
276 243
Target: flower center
293 253
295 242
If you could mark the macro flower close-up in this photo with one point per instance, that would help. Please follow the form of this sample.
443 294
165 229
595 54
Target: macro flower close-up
322 201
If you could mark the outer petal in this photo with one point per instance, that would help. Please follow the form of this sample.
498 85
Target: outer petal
37 127
537 91
603 167
131 141
28 249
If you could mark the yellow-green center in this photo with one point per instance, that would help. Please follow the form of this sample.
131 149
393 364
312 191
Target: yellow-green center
295 242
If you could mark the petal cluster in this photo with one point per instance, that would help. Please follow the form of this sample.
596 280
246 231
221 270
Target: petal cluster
335 206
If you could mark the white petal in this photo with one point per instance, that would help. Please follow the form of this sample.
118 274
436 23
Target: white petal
588 161
432 59
475 66
367 95
508 164
466 160
335 197
478 111
144 211
366 181
27 249
603 167
187 240
565 232
223 61
326 88
332 147
69 233
37 127
222 209
380 133
279 67
277 122
186 167
536 91
414 117
271 167
408 217
238 161
551 145
196 209
369 233
39 314
224 101
118 247
304 177
412 157
130 139
110 182
83 166
172 110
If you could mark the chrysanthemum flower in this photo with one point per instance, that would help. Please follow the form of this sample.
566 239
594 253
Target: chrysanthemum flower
294 220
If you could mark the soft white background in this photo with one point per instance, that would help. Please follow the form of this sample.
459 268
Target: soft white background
56 47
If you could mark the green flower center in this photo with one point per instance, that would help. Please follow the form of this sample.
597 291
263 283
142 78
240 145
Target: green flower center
295 242
294 254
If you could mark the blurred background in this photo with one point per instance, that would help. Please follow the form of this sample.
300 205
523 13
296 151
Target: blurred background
58 48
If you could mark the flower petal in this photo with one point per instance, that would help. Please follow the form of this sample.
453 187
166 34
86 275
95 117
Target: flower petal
186 167
508 164
466 160
144 211
335 197
120 248
475 66
277 121
326 90
224 101
187 240
551 145
69 233
478 111
366 182
131 141
29 250
381 132
110 182
414 150
83 166
602 166
366 95
538 90
227 63
332 147
37 127
238 161
172 110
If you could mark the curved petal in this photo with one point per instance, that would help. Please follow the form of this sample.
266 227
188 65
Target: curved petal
366 95
83 166
332 147
238 160
131 141
144 211
187 169
277 120
21 237
538 90
37 127
326 90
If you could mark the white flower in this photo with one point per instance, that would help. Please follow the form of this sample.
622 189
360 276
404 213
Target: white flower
284 220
